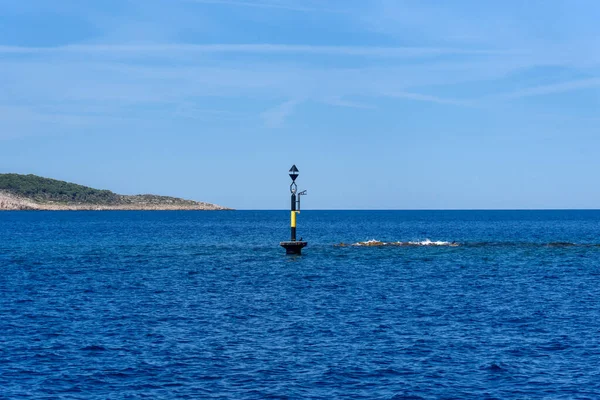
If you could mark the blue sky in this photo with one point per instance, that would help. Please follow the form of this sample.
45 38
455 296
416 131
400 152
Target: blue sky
382 104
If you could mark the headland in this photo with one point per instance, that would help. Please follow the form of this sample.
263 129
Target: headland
31 192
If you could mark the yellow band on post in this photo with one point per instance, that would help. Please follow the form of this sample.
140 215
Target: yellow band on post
293 219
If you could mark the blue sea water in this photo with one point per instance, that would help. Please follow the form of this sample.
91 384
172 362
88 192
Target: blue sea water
187 304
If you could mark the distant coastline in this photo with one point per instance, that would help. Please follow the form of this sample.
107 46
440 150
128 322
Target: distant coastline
30 192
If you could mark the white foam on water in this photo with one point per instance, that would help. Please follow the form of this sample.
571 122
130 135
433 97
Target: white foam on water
428 242
369 243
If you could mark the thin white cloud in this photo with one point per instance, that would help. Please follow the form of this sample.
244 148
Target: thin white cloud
553 88
340 102
265 48
17 121
260 4
276 116
428 98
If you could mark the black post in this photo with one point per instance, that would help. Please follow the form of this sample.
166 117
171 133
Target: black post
294 246
293 217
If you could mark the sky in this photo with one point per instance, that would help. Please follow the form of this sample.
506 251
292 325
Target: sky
382 104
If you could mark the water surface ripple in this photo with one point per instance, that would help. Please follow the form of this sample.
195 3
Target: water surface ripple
103 305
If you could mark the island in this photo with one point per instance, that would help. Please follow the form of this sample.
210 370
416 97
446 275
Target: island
32 192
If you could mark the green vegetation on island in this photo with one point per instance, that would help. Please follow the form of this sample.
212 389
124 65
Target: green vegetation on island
31 192
42 189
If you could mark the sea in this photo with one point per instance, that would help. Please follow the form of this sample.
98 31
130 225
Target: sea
207 305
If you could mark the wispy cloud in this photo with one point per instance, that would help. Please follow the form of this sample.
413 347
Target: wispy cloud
163 77
341 102
428 98
19 121
371 51
260 4
553 88
276 116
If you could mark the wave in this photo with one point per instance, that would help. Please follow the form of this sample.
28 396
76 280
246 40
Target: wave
426 242
441 243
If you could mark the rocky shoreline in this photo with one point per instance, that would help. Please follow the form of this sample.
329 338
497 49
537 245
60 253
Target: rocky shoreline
9 201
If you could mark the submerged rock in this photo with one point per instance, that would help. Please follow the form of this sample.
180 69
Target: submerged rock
378 243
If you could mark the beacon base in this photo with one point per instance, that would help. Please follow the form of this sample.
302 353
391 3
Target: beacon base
293 247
